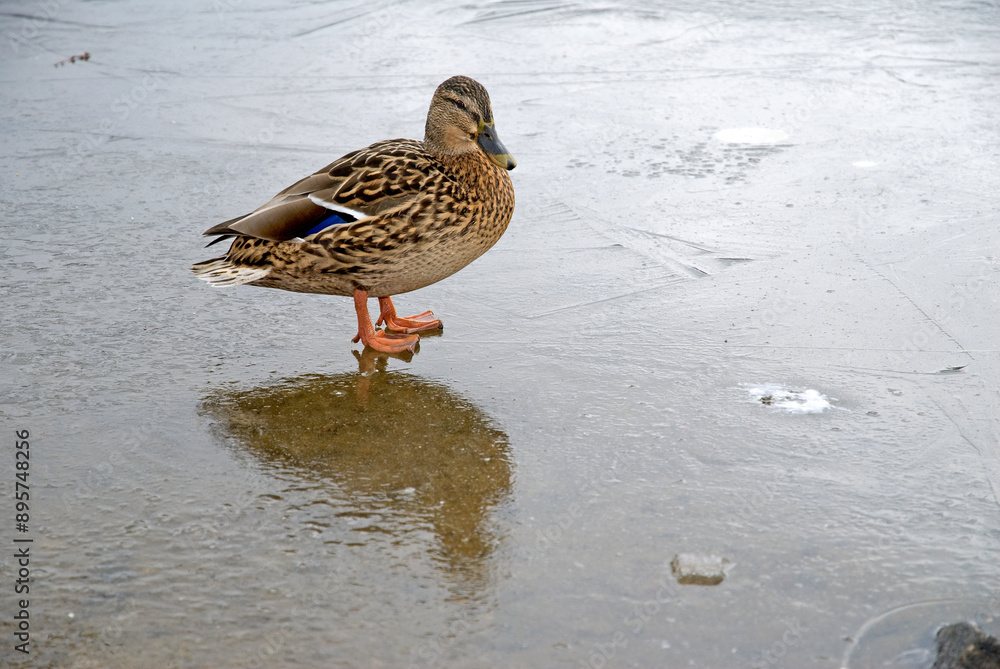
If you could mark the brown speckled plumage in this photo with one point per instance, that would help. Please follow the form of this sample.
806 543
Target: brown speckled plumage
424 210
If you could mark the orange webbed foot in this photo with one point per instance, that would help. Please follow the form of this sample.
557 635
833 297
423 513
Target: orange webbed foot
389 342
386 342
408 325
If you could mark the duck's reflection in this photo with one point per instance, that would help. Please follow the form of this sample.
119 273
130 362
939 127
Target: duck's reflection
392 444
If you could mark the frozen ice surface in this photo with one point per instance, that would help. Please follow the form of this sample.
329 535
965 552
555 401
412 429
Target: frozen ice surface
216 481
751 136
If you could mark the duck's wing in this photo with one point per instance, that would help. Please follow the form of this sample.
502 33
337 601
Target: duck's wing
382 177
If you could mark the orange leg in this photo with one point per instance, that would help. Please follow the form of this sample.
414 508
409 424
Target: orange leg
380 341
418 323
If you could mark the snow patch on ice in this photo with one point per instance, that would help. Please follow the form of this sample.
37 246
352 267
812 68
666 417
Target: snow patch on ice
792 401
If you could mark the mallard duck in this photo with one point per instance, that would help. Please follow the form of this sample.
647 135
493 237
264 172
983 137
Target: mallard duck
394 217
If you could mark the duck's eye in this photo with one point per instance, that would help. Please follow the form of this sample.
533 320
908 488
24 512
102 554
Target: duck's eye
459 104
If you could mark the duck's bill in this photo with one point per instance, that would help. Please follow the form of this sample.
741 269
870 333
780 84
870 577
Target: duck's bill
494 149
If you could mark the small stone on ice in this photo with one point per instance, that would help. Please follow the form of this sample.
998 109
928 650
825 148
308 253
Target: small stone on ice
694 569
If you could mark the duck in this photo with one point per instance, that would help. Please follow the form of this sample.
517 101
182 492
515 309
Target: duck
391 218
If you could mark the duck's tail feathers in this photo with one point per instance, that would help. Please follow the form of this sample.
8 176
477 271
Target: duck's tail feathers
221 272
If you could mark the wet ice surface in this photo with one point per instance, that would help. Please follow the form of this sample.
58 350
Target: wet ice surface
216 485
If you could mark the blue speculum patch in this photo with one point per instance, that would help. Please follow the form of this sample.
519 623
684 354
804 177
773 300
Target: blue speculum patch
333 219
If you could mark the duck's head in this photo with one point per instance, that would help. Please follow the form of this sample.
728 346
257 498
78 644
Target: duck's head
460 120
